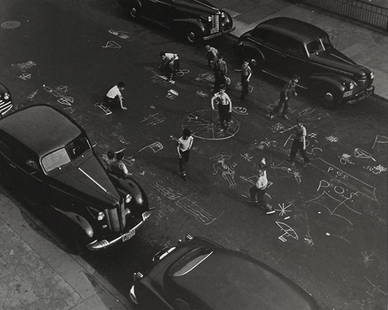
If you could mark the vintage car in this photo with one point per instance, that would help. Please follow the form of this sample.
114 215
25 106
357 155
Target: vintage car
284 47
193 20
199 274
5 100
50 159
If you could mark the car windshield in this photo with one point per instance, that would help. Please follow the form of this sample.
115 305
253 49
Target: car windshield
194 261
65 155
55 160
315 47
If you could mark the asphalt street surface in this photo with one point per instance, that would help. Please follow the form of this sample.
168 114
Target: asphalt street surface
329 231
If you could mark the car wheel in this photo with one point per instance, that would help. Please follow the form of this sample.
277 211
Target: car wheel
192 36
328 99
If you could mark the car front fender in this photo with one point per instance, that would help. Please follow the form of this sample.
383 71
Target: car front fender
320 82
79 220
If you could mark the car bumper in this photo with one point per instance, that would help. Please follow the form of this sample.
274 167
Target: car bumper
360 95
218 34
97 245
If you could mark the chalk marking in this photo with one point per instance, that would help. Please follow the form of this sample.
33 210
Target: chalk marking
367 258
376 288
246 157
227 171
308 240
205 77
155 147
332 139
153 119
202 93
119 33
105 109
193 208
379 139
287 231
345 159
277 127
240 110
349 180
283 208
376 169
32 95
360 153
167 192
24 66
25 76
111 44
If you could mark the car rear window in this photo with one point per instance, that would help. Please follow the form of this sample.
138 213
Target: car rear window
77 147
191 261
55 160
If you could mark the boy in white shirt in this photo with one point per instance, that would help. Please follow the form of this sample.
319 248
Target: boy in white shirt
114 96
184 145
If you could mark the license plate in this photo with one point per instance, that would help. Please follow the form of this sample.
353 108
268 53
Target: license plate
128 235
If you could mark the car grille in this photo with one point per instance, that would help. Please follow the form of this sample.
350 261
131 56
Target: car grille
5 106
117 218
215 24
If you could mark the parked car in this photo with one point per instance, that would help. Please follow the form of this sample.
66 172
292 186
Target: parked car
5 100
283 47
198 274
49 157
192 19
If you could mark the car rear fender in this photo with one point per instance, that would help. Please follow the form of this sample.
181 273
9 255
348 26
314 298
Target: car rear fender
79 221
184 23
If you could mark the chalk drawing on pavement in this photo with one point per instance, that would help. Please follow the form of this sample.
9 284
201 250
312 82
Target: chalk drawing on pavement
111 44
202 93
345 159
247 157
284 208
332 139
376 169
277 127
60 93
287 232
172 94
368 258
103 107
205 77
153 119
240 110
308 240
10 24
119 33
226 170
24 66
379 139
25 76
154 147
362 154
33 94
182 72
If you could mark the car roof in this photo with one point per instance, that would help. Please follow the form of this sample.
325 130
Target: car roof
231 280
41 128
294 28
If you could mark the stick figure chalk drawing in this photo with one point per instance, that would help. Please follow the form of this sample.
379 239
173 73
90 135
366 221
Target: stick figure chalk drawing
227 172
111 44
288 232
155 147
379 139
360 153
345 159
346 179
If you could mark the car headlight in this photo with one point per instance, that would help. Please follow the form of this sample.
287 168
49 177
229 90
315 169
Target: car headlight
209 19
100 216
351 85
6 96
128 198
372 75
222 14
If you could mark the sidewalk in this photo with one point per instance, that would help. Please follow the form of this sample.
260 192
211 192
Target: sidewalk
36 274
363 45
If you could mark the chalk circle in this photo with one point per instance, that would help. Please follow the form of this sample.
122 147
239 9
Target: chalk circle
10 24
202 127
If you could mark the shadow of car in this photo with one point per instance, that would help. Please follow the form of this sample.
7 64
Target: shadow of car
199 274
49 159
284 47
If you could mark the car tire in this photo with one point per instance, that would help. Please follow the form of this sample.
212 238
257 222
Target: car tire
328 99
192 36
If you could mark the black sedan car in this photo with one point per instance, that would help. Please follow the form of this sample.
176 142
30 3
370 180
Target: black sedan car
5 100
50 159
198 274
192 19
284 47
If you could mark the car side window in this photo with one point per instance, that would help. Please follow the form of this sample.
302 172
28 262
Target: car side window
295 48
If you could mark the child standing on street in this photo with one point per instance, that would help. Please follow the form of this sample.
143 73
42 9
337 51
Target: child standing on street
184 145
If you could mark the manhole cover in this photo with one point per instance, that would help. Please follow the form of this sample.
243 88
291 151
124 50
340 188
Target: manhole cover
10 24
204 124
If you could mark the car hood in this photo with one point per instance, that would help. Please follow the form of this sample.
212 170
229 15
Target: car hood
335 59
89 177
230 280
196 6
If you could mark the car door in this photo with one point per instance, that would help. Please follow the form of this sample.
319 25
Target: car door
158 10
296 59
270 45
24 170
